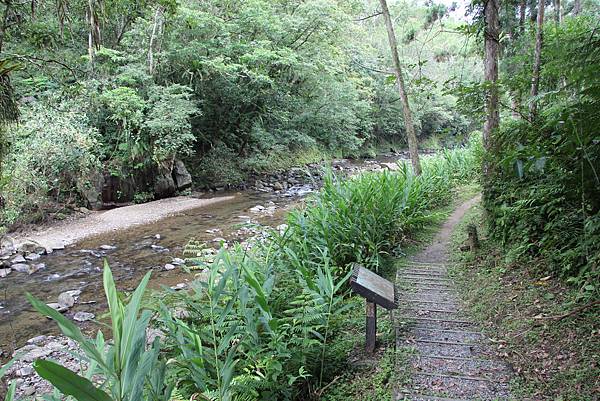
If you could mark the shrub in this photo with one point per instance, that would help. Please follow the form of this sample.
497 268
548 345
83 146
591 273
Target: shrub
50 156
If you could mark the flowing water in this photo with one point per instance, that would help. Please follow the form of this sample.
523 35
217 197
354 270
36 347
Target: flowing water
138 250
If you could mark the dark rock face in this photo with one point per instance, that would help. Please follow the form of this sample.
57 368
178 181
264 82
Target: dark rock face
181 176
164 185
91 190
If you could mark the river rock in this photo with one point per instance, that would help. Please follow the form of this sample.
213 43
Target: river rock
20 267
36 267
108 247
5 272
31 246
170 266
178 261
68 298
83 316
32 256
58 307
278 186
18 259
37 339
25 371
179 286
257 209
181 176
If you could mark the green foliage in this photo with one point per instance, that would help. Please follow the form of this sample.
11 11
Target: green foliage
543 192
51 155
365 218
122 366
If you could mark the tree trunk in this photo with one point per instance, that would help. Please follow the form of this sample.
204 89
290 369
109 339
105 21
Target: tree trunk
577 8
558 11
522 10
155 29
537 59
408 122
492 29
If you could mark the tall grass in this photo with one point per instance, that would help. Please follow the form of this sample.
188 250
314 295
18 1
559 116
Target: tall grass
365 218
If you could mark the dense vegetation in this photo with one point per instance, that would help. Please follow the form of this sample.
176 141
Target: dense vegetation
543 188
230 87
125 90
265 323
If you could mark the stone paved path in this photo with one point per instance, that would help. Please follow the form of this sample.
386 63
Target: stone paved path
450 359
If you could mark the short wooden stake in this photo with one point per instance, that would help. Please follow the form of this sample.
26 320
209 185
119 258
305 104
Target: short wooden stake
371 326
473 237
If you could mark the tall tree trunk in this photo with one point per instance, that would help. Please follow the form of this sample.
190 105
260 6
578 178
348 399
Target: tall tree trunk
492 31
576 8
537 59
153 36
558 11
522 10
408 121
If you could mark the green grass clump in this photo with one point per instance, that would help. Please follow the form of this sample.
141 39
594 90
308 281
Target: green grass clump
366 218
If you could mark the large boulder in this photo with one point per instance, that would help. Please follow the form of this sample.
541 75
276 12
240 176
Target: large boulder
181 176
164 185
91 190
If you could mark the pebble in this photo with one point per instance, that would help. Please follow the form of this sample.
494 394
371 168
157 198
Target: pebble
179 286
32 256
157 236
36 267
83 316
66 300
20 267
18 259
5 272
25 371
108 247
257 209
169 266
178 261
57 307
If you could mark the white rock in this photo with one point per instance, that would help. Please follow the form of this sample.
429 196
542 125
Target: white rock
18 259
66 300
169 266
20 267
257 209
108 247
36 267
157 236
32 256
58 307
178 261
179 286
83 316
5 272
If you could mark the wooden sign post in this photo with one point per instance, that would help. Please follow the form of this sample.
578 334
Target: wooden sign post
377 291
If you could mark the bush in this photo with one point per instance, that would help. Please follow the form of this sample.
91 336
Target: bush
50 156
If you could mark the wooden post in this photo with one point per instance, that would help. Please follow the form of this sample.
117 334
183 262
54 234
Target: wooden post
473 238
371 326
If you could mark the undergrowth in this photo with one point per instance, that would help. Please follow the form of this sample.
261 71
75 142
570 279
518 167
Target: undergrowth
534 319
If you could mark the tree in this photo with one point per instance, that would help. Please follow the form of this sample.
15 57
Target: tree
492 30
408 122
537 59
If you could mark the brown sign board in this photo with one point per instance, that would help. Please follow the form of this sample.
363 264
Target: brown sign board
373 288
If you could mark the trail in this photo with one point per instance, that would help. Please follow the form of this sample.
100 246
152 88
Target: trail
449 358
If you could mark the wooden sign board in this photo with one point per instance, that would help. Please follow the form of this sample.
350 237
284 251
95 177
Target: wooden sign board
377 291
373 288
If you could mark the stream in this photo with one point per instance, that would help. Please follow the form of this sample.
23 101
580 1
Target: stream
134 251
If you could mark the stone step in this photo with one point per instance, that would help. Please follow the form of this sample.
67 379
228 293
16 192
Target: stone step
449 349
483 368
459 386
